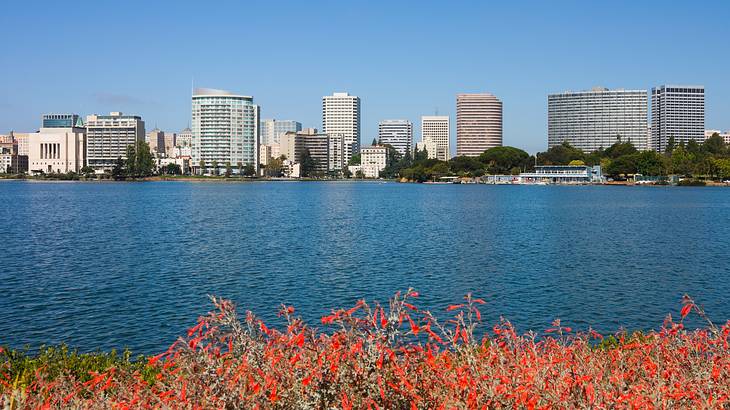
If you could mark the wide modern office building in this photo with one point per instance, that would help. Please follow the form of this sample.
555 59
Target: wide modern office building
108 136
478 123
435 136
225 129
397 133
678 112
59 146
273 129
598 118
341 116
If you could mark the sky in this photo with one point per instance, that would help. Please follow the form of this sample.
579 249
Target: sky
404 59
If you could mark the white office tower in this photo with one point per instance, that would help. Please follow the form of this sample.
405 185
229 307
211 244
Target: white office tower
594 119
397 133
341 116
108 136
225 129
435 136
272 130
677 111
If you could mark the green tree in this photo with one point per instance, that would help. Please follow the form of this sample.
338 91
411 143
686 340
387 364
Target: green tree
240 168
307 163
501 160
463 165
375 141
715 145
722 165
560 155
650 163
201 164
229 169
354 160
215 167
173 169
671 145
623 166
88 171
119 171
620 149
249 170
681 161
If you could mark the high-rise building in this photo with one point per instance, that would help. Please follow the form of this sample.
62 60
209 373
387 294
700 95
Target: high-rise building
397 133
678 112
170 141
184 138
59 146
156 140
598 118
478 123
225 128
341 116
336 156
108 136
435 136
273 129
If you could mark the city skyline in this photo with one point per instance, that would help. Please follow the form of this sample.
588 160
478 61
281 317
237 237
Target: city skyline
554 50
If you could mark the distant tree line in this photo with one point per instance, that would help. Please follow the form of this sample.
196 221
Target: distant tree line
707 160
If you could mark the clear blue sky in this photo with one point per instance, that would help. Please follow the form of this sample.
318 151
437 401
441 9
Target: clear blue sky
404 59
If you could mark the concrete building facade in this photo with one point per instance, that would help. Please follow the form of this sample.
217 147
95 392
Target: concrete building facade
373 160
435 136
59 146
598 118
225 128
397 133
156 140
108 136
678 112
341 116
478 123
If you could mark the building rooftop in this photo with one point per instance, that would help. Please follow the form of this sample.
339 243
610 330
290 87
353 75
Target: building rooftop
212 92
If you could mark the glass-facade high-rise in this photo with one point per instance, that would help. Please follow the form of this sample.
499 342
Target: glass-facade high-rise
225 129
590 120
272 130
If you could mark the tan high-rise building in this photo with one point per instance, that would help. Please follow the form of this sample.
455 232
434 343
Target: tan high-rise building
478 123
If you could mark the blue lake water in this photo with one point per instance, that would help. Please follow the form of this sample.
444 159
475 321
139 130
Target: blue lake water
103 265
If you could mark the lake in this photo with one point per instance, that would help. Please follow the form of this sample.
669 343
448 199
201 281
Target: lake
104 265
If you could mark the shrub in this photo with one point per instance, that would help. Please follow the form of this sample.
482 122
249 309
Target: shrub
401 357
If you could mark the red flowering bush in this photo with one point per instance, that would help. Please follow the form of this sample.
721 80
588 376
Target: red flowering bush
399 357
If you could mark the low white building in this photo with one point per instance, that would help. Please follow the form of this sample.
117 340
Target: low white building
373 160
59 146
